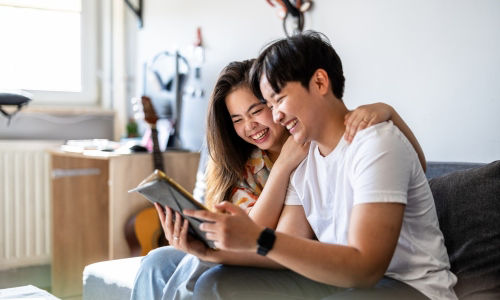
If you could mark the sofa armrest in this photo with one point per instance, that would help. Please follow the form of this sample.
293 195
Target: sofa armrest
110 280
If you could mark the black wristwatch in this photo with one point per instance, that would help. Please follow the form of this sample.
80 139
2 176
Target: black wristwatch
266 241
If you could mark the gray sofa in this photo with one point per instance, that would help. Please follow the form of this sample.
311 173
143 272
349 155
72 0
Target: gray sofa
467 197
468 207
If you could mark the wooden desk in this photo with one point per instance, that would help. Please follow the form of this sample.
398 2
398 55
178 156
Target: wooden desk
90 206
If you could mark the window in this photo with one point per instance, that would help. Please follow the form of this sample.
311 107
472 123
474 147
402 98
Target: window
49 49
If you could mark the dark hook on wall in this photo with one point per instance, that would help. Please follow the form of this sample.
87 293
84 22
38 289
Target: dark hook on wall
291 8
137 10
291 12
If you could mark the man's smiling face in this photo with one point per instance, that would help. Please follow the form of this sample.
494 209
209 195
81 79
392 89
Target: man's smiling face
290 108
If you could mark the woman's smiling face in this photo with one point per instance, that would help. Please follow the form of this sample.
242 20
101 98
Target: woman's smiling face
253 120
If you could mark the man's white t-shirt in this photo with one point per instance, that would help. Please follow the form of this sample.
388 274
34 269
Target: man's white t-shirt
380 165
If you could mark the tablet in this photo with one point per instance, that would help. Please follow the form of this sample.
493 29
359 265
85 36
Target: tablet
159 188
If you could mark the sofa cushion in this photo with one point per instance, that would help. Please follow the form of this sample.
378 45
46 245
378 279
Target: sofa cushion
468 208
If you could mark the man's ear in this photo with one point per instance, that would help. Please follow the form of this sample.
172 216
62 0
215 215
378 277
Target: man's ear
320 81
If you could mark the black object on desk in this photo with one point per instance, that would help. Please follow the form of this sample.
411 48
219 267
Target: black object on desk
18 99
138 148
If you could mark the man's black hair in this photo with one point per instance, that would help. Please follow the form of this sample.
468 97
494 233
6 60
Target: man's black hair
296 59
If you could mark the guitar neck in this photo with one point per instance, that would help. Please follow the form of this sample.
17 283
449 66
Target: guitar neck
157 155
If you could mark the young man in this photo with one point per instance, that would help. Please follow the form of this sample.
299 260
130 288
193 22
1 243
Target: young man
368 202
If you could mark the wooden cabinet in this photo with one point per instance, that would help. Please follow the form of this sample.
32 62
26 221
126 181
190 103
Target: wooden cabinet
91 204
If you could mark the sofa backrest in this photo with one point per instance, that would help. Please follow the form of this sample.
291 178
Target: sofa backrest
439 168
468 208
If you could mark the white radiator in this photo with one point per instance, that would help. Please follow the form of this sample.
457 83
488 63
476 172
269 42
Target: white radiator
25 212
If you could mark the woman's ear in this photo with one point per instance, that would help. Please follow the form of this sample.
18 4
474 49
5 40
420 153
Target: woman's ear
320 81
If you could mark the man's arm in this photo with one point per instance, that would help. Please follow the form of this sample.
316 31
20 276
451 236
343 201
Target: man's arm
292 222
373 234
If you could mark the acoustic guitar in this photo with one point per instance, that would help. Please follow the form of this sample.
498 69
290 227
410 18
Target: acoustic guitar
151 118
143 231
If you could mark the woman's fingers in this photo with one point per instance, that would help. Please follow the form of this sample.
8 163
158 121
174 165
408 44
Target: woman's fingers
165 219
373 120
184 229
362 124
183 235
169 219
160 211
352 125
177 228
168 225
292 154
362 118
347 116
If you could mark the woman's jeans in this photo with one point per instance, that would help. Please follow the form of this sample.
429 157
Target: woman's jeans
167 273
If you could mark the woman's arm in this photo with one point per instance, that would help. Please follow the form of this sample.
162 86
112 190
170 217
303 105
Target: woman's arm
267 208
371 114
401 124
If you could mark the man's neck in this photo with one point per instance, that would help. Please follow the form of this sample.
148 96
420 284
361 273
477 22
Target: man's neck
332 127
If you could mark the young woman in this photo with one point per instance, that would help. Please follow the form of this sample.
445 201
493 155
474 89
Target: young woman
244 145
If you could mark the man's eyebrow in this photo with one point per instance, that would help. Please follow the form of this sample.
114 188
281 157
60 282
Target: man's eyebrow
280 97
275 95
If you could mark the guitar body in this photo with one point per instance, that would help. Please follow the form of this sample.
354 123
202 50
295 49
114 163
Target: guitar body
143 231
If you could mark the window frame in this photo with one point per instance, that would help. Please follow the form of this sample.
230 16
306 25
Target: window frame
88 96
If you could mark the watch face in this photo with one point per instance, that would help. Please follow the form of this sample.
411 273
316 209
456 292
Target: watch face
266 241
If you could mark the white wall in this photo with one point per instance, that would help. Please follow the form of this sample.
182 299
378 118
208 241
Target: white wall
436 61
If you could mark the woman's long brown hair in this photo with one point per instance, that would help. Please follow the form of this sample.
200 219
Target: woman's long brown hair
228 152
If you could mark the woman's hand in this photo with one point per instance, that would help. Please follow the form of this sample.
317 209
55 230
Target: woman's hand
292 154
177 235
230 228
366 116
